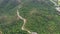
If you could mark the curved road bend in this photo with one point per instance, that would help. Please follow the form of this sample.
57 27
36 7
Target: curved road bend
23 26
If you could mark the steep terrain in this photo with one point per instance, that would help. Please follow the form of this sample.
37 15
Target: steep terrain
41 16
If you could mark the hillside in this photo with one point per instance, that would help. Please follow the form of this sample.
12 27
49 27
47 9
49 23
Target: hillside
41 15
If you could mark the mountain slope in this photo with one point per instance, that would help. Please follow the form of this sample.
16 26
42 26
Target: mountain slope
41 15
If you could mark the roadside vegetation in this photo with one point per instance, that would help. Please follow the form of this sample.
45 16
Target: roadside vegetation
42 17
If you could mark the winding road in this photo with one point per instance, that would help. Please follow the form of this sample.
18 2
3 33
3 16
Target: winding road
23 26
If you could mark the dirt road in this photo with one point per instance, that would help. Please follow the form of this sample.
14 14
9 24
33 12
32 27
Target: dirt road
23 26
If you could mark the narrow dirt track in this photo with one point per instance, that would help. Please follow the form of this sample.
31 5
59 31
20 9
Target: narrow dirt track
23 26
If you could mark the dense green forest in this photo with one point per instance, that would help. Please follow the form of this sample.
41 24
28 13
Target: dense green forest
41 15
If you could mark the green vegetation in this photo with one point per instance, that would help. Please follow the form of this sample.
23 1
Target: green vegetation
42 17
59 2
